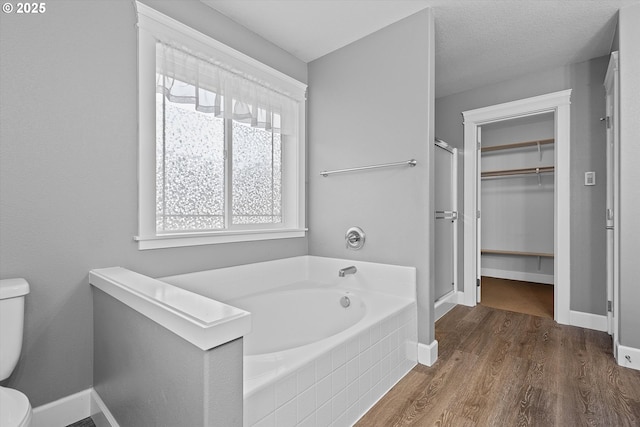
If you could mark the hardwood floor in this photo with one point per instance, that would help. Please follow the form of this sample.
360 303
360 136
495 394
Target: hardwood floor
522 297
86 422
500 368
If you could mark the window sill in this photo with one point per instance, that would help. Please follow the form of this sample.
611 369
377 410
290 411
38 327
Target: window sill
212 238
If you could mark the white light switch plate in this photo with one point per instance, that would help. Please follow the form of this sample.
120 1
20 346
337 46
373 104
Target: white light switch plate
589 178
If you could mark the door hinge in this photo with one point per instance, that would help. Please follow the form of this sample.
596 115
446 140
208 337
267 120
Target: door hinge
610 306
608 121
478 282
478 214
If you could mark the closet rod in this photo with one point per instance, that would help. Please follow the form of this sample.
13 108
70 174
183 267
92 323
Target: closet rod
510 172
411 162
517 145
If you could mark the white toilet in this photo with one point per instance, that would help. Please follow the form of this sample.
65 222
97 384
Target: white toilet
15 409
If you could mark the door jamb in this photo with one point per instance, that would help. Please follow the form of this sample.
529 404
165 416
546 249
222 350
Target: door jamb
612 89
558 103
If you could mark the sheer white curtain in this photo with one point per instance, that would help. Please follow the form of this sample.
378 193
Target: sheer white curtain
215 88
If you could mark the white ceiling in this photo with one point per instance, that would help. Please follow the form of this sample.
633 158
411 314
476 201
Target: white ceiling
478 42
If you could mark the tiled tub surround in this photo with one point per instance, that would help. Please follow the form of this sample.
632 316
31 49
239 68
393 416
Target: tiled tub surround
337 377
340 384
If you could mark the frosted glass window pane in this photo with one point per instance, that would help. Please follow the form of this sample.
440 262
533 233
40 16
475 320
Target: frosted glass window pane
189 168
256 176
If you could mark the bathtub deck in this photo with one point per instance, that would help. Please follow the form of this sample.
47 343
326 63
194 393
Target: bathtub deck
502 368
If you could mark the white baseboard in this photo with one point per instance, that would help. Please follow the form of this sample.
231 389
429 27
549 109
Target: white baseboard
70 409
446 303
428 354
518 275
100 414
628 357
590 321
64 411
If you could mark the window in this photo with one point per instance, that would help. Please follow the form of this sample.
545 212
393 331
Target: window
194 153
222 152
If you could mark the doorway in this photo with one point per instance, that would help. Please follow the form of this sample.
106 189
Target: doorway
516 199
556 104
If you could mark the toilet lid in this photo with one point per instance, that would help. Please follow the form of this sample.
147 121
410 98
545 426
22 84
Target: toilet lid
14 407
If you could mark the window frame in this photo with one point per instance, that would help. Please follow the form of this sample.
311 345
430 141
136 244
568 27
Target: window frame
153 25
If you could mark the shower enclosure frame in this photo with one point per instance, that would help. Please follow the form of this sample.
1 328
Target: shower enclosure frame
446 302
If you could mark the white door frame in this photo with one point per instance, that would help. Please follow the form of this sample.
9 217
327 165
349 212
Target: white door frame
612 89
558 103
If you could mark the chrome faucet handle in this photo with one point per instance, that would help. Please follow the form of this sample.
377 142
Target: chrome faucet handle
354 238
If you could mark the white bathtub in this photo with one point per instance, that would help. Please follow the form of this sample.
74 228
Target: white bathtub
308 360
317 311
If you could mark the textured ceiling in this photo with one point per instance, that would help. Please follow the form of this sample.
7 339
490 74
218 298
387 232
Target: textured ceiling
485 42
309 29
478 42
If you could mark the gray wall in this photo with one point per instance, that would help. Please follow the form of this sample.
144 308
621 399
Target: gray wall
629 176
149 377
68 173
369 103
588 287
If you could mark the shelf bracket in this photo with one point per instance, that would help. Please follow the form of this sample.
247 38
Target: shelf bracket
539 151
539 179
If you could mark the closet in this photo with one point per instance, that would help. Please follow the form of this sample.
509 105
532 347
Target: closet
517 160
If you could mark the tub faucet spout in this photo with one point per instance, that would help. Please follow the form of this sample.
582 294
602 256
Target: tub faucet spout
347 270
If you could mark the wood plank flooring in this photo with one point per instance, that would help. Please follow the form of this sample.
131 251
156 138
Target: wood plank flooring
521 297
86 422
500 368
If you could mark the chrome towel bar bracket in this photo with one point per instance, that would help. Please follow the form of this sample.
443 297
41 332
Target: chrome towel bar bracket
411 163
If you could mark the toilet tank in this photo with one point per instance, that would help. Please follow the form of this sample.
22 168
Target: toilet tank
12 293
